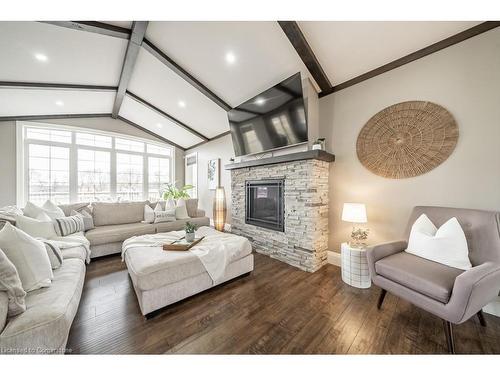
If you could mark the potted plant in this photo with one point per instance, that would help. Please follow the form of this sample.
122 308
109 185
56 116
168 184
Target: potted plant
190 229
175 193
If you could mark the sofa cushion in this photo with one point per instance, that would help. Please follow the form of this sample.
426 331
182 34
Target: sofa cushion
116 233
432 279
78 207
117 213
45 324
76 252
179 224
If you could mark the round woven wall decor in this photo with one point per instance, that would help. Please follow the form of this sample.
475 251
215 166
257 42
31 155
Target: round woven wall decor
407 139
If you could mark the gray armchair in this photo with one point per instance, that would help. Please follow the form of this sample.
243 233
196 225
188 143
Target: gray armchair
452 294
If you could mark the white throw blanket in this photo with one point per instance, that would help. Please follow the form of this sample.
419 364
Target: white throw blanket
215 251
73 240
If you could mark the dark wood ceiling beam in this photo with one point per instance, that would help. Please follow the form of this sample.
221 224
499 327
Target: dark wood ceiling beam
52 117
305 52
448 42
133 48
181 72
93 27
60 86
151 133
165 114
210 140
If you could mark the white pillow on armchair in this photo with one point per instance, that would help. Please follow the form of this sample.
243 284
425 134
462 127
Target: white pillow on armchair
446 245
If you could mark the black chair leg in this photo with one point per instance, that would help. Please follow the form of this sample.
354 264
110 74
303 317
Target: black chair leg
480 316
383 292
448 328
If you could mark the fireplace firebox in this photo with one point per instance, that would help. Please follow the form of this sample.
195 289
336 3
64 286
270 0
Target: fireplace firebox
264 204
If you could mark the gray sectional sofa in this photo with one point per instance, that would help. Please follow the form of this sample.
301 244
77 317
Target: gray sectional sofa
45 325
115 222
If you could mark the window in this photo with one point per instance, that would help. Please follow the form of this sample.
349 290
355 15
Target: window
48 171
68 164
159 171
191 175
94 175
129 176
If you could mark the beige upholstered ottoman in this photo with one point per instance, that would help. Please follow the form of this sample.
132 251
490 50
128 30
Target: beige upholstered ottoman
161 278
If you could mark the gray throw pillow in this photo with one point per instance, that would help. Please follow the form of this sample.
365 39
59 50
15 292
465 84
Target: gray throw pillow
54 253
192 207
65 226
88 220
11 284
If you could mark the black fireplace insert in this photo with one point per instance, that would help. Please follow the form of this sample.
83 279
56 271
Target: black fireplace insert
264 204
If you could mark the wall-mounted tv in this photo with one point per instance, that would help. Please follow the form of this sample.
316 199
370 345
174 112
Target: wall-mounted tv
273 119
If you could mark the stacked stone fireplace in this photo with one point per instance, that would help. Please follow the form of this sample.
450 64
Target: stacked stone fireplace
303 239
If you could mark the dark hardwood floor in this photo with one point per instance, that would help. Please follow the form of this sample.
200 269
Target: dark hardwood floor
277 309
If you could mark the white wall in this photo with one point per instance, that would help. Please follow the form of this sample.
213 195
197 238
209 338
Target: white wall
465 79
8 149
220 148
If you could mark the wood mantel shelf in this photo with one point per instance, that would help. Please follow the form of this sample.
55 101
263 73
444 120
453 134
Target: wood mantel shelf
305 155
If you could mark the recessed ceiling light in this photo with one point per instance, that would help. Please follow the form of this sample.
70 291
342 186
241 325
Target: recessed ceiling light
41 57
59 103
230 58
159 126
260 101
182 104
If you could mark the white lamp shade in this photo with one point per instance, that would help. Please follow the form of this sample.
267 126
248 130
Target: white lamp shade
354 213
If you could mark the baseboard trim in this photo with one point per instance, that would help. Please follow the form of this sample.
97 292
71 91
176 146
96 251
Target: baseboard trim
334 258
493 308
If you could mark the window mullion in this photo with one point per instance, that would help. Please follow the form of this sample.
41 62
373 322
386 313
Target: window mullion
145 176
73 169
113 170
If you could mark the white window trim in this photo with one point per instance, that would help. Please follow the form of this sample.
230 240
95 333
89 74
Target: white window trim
195 154
22 150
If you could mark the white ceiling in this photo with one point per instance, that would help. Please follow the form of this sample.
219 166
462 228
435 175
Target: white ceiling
153 121
21 102
263 56
163 88
348 49
72 56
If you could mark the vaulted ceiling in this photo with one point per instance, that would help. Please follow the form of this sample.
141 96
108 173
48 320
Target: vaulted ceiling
184 76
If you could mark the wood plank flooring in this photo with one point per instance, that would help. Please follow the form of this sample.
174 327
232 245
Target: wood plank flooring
277 309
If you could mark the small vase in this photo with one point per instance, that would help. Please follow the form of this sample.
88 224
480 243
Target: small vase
190 237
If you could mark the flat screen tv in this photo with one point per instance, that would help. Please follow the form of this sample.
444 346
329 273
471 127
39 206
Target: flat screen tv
273 119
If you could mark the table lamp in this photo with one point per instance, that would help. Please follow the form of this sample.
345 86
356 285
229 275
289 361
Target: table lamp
356 213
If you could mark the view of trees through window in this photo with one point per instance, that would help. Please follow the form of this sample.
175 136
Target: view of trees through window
73 165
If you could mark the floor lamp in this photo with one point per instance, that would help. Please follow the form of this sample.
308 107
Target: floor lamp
220 211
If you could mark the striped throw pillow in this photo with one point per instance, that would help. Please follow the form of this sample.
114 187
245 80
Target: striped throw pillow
68 225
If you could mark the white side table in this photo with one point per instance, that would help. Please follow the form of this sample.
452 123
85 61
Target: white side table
355 270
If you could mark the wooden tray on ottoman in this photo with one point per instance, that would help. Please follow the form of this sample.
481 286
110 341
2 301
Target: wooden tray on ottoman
181 244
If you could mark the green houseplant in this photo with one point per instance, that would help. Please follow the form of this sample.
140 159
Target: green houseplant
190 229
175 193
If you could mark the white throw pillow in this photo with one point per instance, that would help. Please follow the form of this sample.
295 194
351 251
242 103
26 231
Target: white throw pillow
28 256
170 205
446 245
11 284
149 214
42 226
181 210
50 208
158 207
163 216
